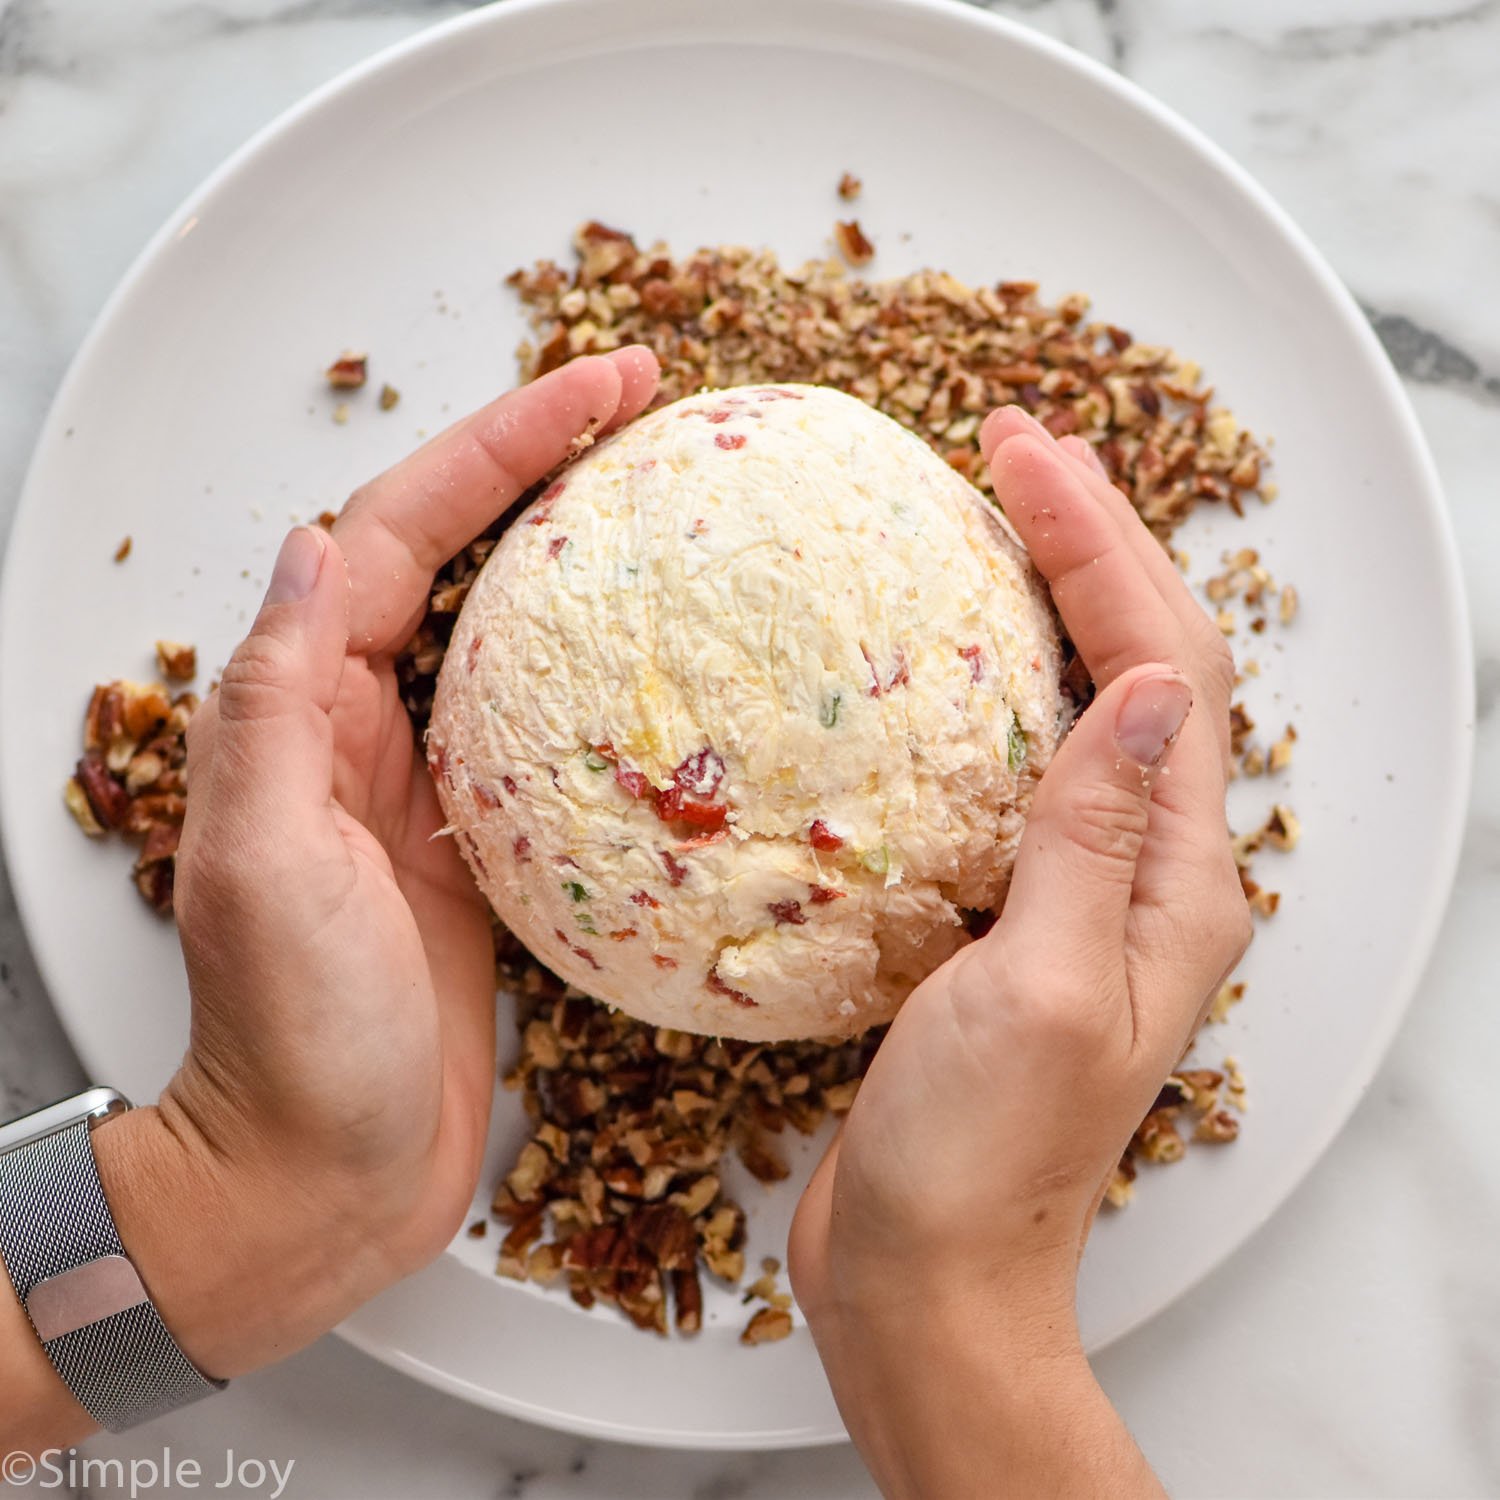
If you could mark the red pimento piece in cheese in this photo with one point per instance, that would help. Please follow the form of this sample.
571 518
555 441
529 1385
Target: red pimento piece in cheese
823 838
544 502
634 782
677 806
694 782
577 951
718 986
700 773
787 911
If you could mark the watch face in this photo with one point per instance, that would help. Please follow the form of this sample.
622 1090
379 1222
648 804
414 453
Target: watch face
93 1107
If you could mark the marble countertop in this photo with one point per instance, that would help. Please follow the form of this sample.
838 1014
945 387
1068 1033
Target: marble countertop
1353 1347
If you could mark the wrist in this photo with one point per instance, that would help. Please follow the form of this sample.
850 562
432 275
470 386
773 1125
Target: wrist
242 1264
975 1394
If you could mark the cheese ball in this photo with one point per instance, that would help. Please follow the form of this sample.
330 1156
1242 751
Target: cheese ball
741 719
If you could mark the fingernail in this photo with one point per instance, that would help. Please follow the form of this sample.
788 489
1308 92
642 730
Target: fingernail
1016 415
1027 420
297 565
1087 453
1151 717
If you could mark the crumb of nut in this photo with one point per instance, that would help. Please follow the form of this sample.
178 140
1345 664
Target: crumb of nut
1253 762
478 1229
326 518
767 1325
78 804
853 244
1217 1127
1234 1077
770 1265
1121 1187
544 1264
1198 1087
1228 996
687 1294
123 550
1264 903
1280 755
341 413
1287 612
389 396
1224 619
1241 727
583 441
840 1097
1158 1139
348 372
849 187
1282 828
176 662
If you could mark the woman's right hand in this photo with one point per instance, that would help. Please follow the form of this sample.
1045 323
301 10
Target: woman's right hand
935 1252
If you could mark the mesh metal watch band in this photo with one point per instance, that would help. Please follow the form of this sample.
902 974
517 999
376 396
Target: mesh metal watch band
125 1369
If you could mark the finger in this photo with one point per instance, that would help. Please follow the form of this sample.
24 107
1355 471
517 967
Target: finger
399 529
1079 448
1080 457
1112 608
263 758
639 375
1204 643
1075 872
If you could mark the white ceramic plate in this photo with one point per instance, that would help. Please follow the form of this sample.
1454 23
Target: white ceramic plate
384 212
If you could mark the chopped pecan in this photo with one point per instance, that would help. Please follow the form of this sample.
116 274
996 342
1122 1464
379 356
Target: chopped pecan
853 244
176 661
348 372
767 1325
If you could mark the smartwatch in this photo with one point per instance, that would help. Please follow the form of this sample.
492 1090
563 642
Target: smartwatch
75 1281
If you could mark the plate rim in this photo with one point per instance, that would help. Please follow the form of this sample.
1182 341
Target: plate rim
1426 917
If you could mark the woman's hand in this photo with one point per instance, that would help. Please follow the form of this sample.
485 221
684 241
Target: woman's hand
324 1134
935 1252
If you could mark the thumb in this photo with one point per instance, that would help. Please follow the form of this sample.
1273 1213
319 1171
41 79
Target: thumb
1072 883
268 744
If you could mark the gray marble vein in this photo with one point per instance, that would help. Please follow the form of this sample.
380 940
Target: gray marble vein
1423 354
1363 38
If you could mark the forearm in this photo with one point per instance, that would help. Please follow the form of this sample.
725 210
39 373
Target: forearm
955 1402
242 1270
